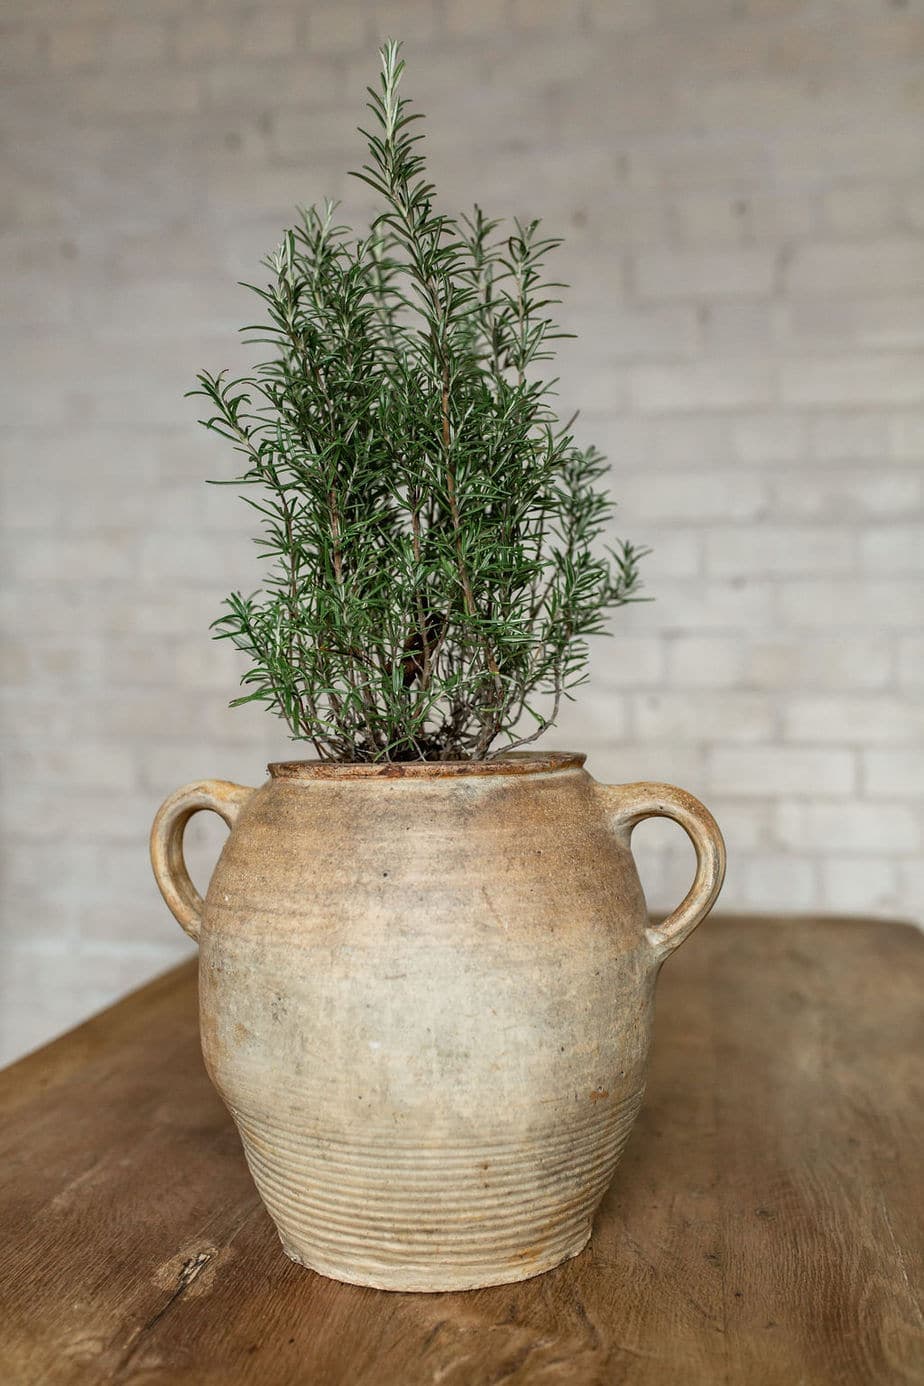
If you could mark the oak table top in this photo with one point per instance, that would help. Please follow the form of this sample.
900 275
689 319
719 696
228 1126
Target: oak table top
766 1224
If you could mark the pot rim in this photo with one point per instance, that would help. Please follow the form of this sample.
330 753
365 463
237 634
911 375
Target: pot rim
509 763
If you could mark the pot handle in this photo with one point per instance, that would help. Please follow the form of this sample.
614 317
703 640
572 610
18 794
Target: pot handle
630 804
167 861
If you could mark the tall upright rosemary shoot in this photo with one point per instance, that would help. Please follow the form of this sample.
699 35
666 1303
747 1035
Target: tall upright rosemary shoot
432 531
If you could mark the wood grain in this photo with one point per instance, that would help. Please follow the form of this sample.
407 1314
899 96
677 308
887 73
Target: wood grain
765 1225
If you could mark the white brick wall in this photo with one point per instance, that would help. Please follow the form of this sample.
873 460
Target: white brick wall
741 186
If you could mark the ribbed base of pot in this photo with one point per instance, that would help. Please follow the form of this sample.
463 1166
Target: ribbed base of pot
432 1279
449 1215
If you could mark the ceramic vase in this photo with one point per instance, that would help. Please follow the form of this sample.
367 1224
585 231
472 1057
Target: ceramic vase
425 997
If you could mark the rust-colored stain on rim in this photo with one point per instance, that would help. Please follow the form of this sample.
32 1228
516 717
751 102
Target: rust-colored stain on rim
513 763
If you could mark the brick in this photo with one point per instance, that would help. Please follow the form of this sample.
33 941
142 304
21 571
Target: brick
31 888
705 661
912 206
709 605
120 93
700 440
209 664
685 160
38 660
733 329
842 493
767 771
47 11
680 551
881 829
337 28
188 557
137 41
852 721
89 815
99 921
140 713
36 280
663 274
634 662
154 613
779 214
748 550
203 301
871 603
541 14
627 439
140 663
243 726
73 46
892 323
906 437
883 266
745 822
710 218
595 721
897 774
893 549
166 505
860 209
20 50
762 438
822 155
849 437
692 717
297 131
76 982
624 762
221 508
885 379
629 16
508 182
616 223
686 497
400 18
911 889
476 17
823 662
163 764
599 385
97 764
624 333
271 85
781 881
703 385
861 885
43 557
766 99
200 38
270 33
54 611
911 661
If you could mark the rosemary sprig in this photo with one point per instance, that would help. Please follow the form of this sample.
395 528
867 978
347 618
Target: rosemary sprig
431 530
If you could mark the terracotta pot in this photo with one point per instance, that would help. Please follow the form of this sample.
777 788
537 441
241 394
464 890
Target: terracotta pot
426 994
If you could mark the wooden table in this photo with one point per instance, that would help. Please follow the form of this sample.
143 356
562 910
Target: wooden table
765 1225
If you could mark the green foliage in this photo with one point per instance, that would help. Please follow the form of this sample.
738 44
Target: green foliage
431 528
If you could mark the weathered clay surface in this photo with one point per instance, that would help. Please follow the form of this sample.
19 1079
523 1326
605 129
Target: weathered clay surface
426 1000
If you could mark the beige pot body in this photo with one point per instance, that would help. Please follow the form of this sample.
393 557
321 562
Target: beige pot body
426 996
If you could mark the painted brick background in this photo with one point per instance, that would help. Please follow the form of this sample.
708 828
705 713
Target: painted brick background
740 184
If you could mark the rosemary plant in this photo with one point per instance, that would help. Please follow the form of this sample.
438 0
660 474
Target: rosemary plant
432 530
